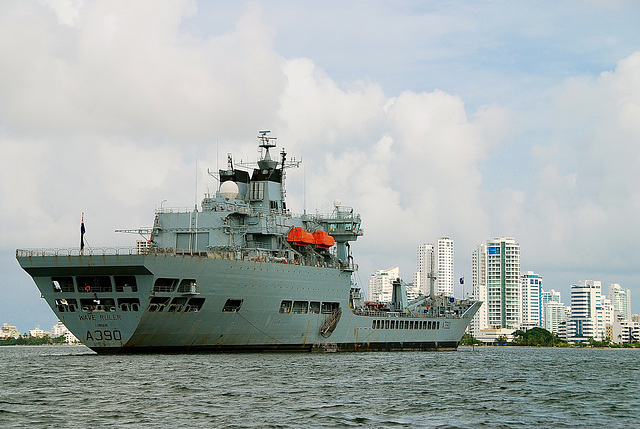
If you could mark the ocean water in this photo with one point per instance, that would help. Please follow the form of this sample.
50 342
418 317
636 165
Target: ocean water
489 387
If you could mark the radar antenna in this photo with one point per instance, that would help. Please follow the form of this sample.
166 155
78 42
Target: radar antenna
265 140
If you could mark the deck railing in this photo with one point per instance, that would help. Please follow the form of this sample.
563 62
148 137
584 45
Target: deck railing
255 255
74 251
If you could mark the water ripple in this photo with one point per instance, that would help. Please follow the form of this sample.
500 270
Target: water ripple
49 387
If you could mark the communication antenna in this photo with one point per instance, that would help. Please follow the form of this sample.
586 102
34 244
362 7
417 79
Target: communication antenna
195 196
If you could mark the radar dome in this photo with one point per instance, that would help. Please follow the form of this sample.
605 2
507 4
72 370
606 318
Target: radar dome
337 203
229 190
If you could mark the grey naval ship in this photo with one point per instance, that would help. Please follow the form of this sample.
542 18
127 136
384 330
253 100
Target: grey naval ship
241 274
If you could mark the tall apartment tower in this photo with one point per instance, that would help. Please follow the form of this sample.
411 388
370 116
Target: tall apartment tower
586 310
553 311
550 296
479 289
437 257
496 282
554 315
424 257
620 301
531 300
381 284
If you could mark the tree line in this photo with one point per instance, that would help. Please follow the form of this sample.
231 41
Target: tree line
539 337
28 340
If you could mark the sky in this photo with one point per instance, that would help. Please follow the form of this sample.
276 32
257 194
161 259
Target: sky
466 119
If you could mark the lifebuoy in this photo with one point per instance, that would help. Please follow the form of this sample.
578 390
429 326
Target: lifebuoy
87 288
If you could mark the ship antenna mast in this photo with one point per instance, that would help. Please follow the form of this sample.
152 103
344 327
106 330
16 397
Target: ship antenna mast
432 276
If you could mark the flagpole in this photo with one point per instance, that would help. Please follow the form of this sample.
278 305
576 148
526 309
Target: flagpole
82 231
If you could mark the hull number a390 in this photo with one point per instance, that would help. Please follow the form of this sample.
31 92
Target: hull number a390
104 335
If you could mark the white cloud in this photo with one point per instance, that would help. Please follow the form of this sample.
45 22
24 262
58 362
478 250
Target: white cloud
126 68
580 215
66 10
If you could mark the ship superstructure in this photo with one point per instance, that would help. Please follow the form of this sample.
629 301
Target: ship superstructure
241 273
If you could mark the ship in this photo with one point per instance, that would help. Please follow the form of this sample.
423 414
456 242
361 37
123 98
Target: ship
240 273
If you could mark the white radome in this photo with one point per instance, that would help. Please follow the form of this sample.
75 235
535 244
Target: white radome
229 190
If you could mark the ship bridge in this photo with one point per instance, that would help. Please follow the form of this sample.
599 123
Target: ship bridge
343 225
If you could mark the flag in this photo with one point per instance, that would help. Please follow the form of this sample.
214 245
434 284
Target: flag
82 233
462 280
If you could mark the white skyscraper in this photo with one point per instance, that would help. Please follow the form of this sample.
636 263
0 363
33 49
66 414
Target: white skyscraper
496 282
620 301
554 315
478 275
586 312
550 296
531 300
444 259
554 312
437 258
381 284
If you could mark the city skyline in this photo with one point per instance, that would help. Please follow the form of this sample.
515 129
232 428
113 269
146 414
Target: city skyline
514 299
468 120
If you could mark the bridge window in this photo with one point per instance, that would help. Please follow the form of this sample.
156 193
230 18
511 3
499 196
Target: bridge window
63 305
62 284
187 286
125 283
94 284
165 285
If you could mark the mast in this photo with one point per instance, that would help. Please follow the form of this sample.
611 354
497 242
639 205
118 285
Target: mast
432 276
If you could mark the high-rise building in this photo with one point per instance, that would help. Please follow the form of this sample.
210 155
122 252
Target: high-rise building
479 290
531 300
554 312
550 296
586 319
554 315
620 301
381 284
496 282
436 258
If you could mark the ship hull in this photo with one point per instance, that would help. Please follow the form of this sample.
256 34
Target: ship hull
165 303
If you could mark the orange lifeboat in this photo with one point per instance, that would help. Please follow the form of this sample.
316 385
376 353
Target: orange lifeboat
300 237
323 240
